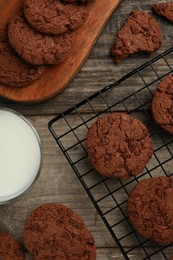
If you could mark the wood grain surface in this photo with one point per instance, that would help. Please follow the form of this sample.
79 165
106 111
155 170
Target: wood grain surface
58 77
57 181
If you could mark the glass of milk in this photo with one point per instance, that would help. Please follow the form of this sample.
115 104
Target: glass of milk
20 154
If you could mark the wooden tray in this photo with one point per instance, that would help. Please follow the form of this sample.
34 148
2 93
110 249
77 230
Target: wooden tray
58 77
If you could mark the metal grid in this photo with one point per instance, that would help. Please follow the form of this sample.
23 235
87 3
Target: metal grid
108 195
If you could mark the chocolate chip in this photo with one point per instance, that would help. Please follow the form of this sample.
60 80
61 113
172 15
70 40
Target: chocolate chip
155 39
169 90
134 215
168 220
36 227
105 140
159 220
32 71
18 252
134 29
153 206
35 252
47 19
159 192
148 223
137 152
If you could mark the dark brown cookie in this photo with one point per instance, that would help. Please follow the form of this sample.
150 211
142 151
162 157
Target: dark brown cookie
79 1
10 248
164 9
151 209
14 71
162 104
54 231
141 32
118 145
36 48
54 17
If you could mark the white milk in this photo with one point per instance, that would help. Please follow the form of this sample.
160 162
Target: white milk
20 155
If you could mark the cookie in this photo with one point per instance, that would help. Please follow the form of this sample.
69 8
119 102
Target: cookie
54 231
10 248
80 1
118 145
162 104
151 210
14 71
164 9
54 17
36 48
141 32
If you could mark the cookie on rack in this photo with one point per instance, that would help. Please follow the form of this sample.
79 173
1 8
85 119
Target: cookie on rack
54 17
141 32
164 9
118 145
54 231
162 104
10 248
14 72
36 48
151 210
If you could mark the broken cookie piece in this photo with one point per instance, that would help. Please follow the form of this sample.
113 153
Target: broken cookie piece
141 32
164 9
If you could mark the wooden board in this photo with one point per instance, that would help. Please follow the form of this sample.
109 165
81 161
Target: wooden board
58 77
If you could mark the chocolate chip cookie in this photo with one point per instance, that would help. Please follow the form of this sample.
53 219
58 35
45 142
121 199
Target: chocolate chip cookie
141 32
15 72
151 209
10 248
54 17
118 145
54 231
162 104
36 48
165 10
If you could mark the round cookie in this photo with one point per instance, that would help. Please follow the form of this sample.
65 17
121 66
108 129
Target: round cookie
54 231
151 209
54 17
10 248
14 71
118 145
162 104
36 48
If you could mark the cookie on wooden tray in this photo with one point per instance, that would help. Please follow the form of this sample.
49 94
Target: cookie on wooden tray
151 209
15 72
36 48
118 145
10 248
165 10
141 32
54 17
162 104
54 231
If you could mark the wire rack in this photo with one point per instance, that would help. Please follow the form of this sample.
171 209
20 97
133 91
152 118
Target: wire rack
109 195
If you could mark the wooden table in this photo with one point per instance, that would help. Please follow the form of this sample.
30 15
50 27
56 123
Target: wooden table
57 182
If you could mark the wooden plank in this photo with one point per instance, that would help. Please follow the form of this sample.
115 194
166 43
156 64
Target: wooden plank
58 77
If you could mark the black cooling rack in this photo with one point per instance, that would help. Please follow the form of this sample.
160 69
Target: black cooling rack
108 195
